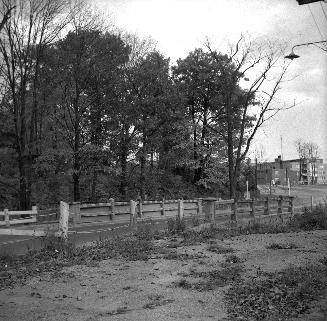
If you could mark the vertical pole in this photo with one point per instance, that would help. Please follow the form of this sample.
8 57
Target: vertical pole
34 209
6 212
247 190
252 210
267 210
140 208
63 220
289 187
163 213
311 202
291 205
199 209
280 205
113 210
234 210
180 209
133 219
212 210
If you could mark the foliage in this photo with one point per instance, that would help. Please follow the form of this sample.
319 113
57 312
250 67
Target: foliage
313 219
176 225
280 296
90 114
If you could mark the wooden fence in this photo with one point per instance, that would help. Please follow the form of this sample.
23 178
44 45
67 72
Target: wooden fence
209 209
18 217
57 215
132 212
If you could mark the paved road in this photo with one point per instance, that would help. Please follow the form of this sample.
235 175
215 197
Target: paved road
87 232
78 235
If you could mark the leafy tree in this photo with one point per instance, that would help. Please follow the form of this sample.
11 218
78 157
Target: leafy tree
86 64
149 84
33 25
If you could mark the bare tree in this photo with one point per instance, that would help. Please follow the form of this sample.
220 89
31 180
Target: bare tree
308 153
6 17
303 155
313 154
264 69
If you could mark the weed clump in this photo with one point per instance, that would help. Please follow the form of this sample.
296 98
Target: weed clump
281 246
280 296
312 219
176 225
210 280
219 249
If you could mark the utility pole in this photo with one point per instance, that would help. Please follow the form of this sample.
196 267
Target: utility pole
256 173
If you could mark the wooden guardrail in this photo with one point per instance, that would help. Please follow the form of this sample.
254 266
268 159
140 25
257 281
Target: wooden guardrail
36 230
206 208
18 217
131 211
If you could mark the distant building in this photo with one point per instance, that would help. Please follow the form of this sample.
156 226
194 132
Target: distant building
297 171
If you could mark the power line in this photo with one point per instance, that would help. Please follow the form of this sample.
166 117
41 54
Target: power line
314 19
323 10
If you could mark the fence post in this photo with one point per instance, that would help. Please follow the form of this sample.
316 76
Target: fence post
266 210
212 207
199 209
311 202
180 209
34 209
63 220
6 212
252 208
280 205
140 208
112 204
291 205
75 210
163 213
133 219
234 210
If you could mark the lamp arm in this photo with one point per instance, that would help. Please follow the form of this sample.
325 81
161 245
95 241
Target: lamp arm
309 43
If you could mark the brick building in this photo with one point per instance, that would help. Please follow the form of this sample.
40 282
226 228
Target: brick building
297 171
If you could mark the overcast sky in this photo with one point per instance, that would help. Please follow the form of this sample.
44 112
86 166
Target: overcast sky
180 26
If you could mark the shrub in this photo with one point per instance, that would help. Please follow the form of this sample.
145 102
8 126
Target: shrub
176 225
313 219
281 296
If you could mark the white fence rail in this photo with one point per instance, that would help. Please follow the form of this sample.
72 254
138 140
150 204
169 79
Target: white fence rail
18 217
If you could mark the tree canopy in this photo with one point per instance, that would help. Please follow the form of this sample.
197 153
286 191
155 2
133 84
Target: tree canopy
88 114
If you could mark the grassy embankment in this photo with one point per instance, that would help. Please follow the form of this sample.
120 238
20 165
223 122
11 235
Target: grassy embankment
270 296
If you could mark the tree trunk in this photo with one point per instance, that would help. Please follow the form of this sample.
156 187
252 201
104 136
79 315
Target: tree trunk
94 185
24 184
232 182
123 175
76 164
142 172
77 196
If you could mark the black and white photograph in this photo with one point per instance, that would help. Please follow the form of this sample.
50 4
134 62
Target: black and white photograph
163 160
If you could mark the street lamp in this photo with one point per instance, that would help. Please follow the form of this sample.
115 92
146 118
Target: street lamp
293 55
308 1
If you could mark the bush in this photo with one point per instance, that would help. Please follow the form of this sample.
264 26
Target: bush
313 219
176 225
281 296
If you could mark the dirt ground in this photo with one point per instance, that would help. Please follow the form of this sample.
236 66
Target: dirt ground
145 290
